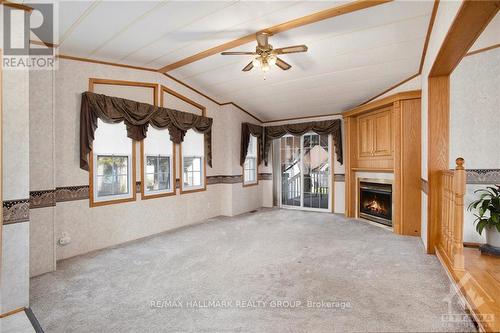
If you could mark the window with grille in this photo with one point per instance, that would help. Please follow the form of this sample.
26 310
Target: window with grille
158 165
193 151
250 166
112 160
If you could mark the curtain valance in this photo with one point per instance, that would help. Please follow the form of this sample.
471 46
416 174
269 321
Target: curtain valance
248 129
137 117
332 127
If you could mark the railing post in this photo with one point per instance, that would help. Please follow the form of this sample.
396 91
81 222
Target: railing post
459 188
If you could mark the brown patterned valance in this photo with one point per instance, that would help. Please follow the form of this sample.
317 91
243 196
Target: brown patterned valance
248 129
137 117
332 127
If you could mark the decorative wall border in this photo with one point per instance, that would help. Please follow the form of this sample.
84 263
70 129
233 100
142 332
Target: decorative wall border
71 193
16 211
474 176
265 176
49 198
224 179
44 198
483 176
339 177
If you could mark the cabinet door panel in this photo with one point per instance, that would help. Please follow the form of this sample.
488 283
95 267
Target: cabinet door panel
365 136
383 142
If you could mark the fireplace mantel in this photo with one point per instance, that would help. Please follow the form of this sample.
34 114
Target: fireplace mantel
384 137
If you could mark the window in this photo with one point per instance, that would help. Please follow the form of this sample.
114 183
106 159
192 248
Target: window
112 164
192 171
157 173
250 166
157 162
193 151
112 175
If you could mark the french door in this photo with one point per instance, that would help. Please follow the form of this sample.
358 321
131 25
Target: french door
305 172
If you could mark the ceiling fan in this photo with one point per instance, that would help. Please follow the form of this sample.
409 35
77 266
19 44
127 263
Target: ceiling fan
266 56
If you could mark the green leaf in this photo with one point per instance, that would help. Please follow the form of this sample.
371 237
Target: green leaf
480 226
494 190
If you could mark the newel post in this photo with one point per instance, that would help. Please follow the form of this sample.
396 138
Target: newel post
459 185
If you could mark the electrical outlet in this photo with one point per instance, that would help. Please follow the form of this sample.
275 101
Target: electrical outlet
64 239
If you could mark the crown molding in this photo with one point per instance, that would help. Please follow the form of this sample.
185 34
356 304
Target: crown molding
411 94
428 35
484 49
16 5
95 61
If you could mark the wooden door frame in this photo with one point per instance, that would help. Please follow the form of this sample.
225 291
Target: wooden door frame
470 21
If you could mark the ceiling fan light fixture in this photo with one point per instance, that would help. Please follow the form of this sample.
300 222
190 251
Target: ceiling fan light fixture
265 56
271 60
257 61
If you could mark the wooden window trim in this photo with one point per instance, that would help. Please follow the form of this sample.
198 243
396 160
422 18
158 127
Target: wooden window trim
92 202
173 191
203 110
164 89
181 174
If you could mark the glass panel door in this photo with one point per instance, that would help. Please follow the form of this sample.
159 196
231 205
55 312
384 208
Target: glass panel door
316 171
305 171
291 175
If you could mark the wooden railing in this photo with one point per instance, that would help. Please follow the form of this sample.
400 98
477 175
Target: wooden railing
450 246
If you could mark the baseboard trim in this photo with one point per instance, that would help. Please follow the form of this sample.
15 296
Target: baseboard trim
471 244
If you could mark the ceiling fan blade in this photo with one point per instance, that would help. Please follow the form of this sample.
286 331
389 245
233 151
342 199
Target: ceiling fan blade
291 49
248 67
238 53
262 39
283 65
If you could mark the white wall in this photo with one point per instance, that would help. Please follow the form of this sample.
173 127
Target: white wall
57 134
475 121
447 11
15 185
42 169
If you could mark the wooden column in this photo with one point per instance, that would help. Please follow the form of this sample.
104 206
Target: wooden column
438 150
469 23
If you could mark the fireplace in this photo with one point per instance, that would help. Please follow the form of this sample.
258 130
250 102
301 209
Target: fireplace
375 202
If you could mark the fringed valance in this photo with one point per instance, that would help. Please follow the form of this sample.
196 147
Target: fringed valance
248 129
137 117
332 127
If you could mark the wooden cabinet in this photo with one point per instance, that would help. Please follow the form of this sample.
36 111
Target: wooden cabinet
375 135
383 136
365 136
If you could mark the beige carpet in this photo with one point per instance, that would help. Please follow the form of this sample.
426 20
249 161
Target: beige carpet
271 271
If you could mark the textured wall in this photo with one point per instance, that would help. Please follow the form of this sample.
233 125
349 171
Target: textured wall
15 187
57 134
474 122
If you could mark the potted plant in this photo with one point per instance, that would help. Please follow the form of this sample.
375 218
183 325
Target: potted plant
487 215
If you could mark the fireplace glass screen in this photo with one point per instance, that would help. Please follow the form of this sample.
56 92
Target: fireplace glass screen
375 202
